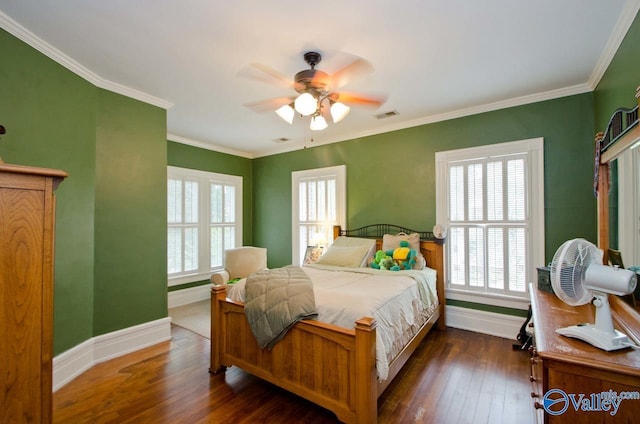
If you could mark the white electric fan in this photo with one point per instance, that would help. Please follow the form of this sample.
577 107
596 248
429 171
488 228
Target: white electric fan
578 276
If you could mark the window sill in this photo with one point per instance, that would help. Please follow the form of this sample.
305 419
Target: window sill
488 298
190 278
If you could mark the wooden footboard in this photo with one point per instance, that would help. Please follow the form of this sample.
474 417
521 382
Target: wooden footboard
328 365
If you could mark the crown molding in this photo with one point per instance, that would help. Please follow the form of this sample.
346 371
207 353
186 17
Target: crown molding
629 12
134 94
460 113
490 107
208 146
18 31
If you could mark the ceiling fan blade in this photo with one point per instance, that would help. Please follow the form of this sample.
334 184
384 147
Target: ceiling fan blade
269 105
264 73
352 99
354 69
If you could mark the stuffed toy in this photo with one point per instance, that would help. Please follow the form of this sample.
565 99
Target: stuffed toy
383 261
380 255
389 264
404 256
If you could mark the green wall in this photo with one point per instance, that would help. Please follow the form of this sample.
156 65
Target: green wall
50 117
617 89
400 166
114 149
130 214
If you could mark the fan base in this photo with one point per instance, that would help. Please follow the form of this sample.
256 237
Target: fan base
596 337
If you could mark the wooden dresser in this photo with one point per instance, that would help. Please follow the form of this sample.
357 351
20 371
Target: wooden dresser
575 367
26 292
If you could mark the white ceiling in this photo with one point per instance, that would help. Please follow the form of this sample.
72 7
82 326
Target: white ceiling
432 59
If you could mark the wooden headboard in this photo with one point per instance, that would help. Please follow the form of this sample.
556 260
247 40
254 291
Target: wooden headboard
431 248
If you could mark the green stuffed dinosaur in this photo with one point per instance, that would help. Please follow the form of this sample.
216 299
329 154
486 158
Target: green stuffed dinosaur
384 261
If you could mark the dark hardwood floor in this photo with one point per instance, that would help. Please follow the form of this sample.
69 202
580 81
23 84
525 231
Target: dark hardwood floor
454 376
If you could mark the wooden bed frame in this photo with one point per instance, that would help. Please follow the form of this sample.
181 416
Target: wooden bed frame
329 365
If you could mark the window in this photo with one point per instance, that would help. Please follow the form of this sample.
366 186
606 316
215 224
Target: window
318 201
491 198
204 217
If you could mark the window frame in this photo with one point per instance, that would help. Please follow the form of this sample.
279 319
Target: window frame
533 149
340 174
204 179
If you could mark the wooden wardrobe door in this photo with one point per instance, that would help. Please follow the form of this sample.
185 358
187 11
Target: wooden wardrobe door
26 292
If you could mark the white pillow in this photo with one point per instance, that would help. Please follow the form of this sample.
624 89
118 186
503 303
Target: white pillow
353 256
391 242
369 244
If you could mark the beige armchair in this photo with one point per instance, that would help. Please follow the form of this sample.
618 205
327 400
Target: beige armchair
239 263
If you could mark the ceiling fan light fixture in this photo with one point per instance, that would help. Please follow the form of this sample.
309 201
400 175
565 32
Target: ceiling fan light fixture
286 112
316 93
339 111
306 104
318 123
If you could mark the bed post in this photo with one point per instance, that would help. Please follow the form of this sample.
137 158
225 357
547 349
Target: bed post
218 295
366 378
336 231
440 284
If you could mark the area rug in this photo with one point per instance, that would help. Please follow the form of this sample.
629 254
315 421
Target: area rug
195 317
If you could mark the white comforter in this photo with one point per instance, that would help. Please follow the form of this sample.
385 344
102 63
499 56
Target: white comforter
399 301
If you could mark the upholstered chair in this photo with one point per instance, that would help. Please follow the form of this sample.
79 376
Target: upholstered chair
239 263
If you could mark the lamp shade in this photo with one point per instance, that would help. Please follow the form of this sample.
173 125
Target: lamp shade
339 111
306 104
286 112
318 123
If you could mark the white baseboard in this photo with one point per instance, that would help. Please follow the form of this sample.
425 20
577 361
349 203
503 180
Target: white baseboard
190 295
500 325
70 364
127 340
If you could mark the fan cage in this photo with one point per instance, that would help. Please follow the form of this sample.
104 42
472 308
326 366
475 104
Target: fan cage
568 268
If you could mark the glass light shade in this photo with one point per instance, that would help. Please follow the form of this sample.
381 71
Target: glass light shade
306 104
318 123
286 112
339 111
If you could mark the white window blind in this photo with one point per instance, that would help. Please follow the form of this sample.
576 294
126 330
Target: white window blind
491 199
204 217
318 200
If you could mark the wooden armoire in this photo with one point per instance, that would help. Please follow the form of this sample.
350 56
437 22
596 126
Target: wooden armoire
27 220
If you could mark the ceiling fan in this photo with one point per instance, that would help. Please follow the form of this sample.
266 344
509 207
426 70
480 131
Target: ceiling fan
316 92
